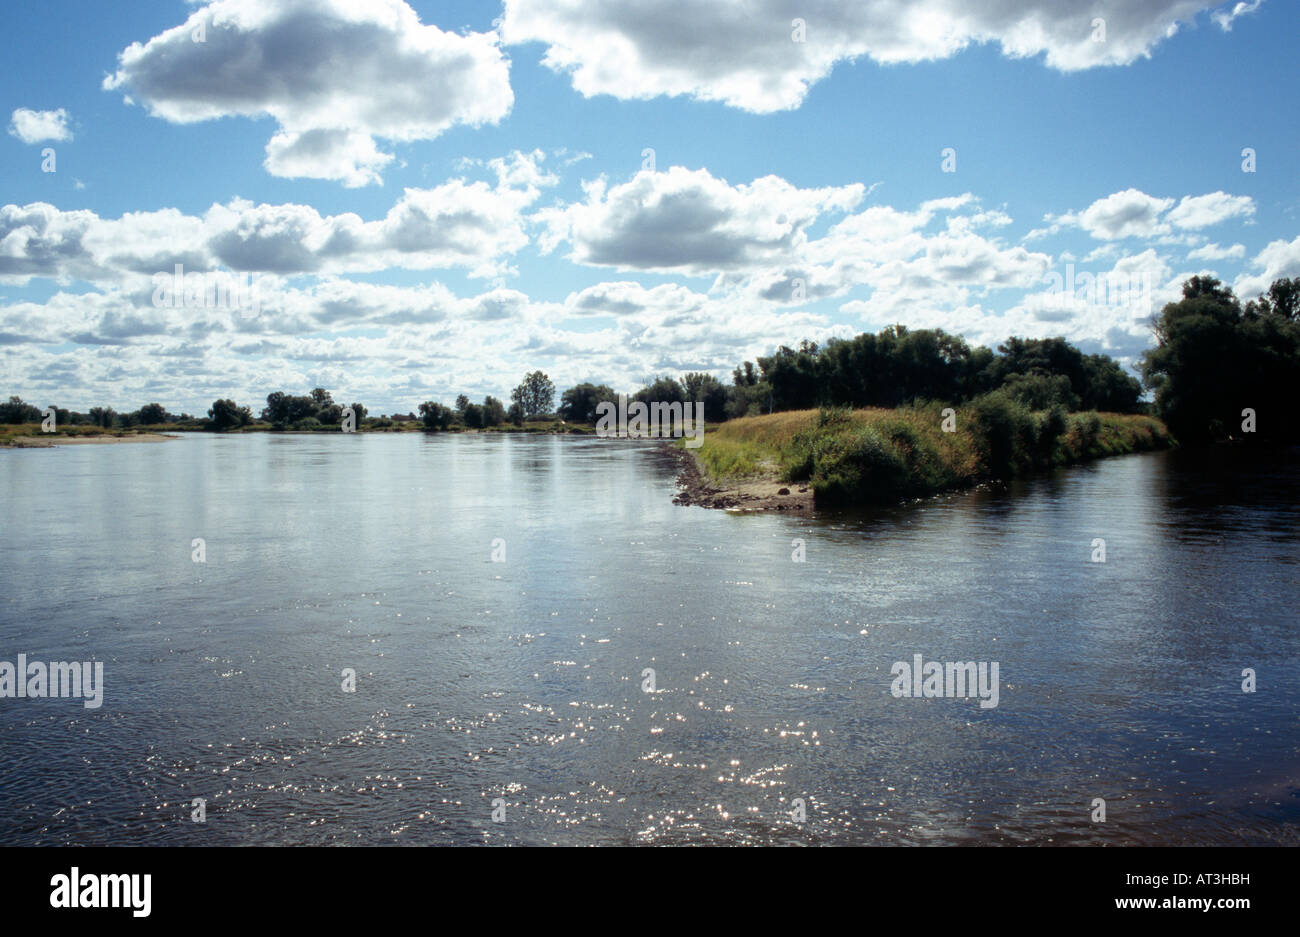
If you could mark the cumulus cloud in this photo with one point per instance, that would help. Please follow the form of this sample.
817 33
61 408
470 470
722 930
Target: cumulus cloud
900 255
1133 213
39 126
39 240
751 54
1215 252
629 298
1277 260
1130 213
1201 211
690 222
471 225
335 74
350 157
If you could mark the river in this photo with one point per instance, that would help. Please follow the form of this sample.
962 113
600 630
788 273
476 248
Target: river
505 602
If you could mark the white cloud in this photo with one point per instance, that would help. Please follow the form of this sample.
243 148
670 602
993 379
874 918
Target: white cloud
1201 211
1277 260
349 157
335 74
1130 213
1215 252
1134 213
471 225
1226 17
38 126
744 53
690 222
627 298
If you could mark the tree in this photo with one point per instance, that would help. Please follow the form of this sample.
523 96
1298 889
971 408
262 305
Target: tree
282 409
748 399
461 403
578 403
792 376
152 413
494 412
103 417
1213 360
1282 299
661 390
1107 387
535 395
708 390
472 415
1040 391
18 411
435 416
359 411
226 414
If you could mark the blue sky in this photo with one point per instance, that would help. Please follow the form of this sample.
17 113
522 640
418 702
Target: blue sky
435 197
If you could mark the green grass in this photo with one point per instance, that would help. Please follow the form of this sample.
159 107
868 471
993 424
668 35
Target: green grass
878 455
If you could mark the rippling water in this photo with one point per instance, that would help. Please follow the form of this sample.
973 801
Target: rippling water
520 682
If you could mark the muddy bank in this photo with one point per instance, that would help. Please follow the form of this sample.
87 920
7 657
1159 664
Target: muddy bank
759 493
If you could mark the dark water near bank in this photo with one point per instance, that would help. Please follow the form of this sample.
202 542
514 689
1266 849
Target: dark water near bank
521 680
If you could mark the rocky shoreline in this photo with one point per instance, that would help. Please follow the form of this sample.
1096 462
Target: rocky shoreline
761 493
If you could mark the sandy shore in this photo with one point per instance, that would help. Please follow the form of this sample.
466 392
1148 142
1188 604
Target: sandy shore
48 442
760 493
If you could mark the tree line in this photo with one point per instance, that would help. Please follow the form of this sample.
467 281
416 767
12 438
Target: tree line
17 410
1214 359
1223 370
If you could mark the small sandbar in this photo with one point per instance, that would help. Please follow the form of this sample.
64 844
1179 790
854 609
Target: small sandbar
48 442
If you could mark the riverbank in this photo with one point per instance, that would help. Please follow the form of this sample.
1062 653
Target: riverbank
764 491
52 440
832 457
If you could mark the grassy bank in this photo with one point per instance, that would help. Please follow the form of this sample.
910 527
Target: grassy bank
880 455
13 433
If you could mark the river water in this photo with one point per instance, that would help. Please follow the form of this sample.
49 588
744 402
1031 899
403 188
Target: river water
505 601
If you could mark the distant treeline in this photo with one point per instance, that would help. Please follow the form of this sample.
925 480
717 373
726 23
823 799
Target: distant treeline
1219 370
16 410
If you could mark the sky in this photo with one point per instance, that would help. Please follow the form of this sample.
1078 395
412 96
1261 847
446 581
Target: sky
405 201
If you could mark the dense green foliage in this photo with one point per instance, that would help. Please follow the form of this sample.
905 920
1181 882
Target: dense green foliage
1215 359
897 366
226 414
534 395
579 402
871 455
